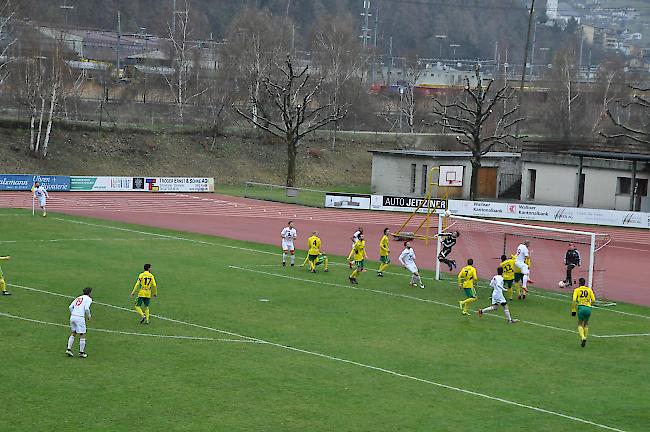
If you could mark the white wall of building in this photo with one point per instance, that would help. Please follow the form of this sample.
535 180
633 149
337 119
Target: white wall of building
551 9
557 185
392 173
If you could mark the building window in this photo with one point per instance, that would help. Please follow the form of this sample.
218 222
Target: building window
413 172
641 187
623 185
425 179
532 183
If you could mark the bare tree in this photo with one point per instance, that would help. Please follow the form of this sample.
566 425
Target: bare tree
637 127
563 92
184 59
6 16
38 81
293 93
43 85
340 59
255 41
482 119
412 69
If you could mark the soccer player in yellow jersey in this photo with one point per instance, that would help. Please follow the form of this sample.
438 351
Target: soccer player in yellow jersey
508 266
145 286
313 243
358 252
3 284
384 253
583 299
519 277
322 259
467 278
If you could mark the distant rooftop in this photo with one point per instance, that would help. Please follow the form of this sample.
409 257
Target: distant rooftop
445 154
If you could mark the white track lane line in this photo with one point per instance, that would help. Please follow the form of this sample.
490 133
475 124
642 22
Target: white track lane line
365 366
259 251
82 240
159 336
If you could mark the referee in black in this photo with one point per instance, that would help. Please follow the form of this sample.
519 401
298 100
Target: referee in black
571 261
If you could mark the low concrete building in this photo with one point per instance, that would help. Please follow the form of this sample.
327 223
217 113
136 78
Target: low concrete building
405 172
603 180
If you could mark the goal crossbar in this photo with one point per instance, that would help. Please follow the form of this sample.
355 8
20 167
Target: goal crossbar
591 238
535 227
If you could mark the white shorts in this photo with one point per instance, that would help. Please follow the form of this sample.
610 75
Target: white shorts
288 246
412 268
497 297
41 201
77 324
523 267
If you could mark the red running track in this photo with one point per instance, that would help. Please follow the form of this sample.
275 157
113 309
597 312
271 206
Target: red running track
261 221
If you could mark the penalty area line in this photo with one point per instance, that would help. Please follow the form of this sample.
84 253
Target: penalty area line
152 335
365 366
262 252
388 293
624 335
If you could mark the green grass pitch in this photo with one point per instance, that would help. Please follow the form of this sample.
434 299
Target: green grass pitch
239 343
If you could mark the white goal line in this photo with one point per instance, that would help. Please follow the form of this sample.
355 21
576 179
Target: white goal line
153 335
362 365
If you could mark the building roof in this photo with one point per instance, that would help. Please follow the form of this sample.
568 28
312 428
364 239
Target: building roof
611 155
566 10
445 154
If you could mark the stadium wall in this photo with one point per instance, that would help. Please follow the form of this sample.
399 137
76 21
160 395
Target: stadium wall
500 210
24 182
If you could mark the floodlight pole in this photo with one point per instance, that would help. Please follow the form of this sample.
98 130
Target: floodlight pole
531 17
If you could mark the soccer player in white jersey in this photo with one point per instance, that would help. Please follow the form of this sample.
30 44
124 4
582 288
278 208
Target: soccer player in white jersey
497 297
79 310
407 258
289 235
41 194
520 263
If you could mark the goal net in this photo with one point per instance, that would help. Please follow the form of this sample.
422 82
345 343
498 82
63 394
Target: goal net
486 240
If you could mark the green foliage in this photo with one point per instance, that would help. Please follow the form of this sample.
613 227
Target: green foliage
324 335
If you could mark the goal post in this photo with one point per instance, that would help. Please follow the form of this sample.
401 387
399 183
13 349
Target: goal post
485 240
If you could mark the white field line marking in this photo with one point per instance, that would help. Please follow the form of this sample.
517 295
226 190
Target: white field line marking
168 236
132 311
388 293
365 366
82 240
252 250
160 336
625 335
630 249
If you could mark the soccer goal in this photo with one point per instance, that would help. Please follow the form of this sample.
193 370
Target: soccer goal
486 240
